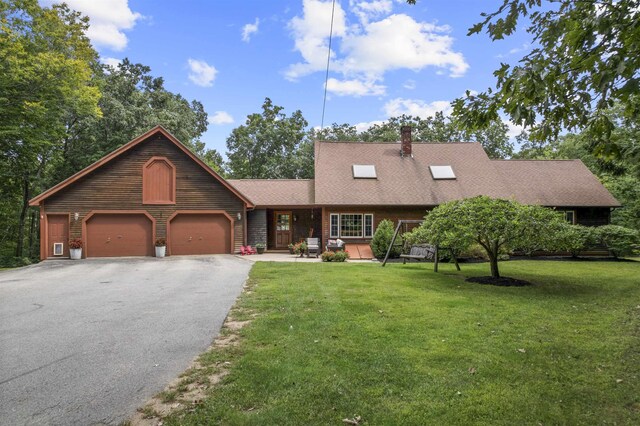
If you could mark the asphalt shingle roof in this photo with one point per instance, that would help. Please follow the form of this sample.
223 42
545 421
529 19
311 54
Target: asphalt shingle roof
407 181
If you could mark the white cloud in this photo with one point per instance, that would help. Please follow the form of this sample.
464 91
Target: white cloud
514 130
311 35
202 74
366 10
398 41
108 19
409 84
377 43
361 127
249 29
220 117
416 107
113 62
354 88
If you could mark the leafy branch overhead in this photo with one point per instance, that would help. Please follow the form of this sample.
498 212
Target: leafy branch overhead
585 59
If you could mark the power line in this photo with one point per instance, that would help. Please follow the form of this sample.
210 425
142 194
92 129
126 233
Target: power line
326 77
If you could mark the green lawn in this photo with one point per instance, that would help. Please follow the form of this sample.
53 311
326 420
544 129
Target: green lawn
403 345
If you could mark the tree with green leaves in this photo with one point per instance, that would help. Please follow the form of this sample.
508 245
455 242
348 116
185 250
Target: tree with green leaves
437 128
133 101
585 58
45 77
620 174
496 225
270 145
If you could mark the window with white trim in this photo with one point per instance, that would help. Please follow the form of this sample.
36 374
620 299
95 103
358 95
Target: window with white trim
334 225
351 225
368 225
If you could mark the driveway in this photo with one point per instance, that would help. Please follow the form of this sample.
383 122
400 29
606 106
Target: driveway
87 342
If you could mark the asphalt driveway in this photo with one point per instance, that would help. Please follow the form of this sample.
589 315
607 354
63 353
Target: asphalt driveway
88 342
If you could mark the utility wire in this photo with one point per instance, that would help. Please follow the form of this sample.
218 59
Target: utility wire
326 77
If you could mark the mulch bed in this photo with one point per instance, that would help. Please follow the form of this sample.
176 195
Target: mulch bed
502 281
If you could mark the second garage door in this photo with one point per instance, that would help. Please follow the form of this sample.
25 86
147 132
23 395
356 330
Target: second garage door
111 235
200 234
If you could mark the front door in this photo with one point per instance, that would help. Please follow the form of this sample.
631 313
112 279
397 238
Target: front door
283 229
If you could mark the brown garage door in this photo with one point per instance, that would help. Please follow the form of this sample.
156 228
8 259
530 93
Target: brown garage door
110 235
200 234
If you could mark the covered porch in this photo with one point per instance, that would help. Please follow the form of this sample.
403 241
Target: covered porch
281 226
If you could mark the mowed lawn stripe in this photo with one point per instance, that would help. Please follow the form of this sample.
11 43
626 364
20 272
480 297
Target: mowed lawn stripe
404 345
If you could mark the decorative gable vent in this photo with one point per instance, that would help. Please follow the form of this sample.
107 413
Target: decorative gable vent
364 171
158 181
442 172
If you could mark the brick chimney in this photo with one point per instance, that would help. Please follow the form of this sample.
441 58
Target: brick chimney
405 141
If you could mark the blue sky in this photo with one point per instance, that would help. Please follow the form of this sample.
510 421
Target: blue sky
388 57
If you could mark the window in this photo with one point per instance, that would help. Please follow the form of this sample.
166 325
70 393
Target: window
350 225
368 225
58 249
569 216
158 182
364 171
333 227
442 172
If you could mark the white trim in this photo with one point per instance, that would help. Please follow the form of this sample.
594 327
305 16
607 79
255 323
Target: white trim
362 217
58 249
364 225
331 234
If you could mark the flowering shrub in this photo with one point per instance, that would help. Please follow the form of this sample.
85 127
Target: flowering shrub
300 248
75 243
161 242
327 256
339 256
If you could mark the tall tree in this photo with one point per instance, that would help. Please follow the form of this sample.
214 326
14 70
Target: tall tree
619 173
45 77
133 101
268 146
585 58
439 128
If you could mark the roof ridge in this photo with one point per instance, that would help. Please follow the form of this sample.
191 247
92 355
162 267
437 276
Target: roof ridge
534 159
398 142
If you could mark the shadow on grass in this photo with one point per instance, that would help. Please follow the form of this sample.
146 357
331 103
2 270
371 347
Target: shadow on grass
543 283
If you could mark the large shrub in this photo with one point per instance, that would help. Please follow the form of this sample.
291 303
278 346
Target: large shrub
575 238
382 238
620 241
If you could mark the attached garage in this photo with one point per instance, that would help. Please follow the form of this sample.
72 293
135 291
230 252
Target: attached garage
200 233
119 234
149 189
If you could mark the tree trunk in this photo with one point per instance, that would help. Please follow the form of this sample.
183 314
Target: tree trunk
23 216
493 259
32 232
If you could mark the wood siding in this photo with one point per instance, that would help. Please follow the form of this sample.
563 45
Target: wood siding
257 227
118 186
591 216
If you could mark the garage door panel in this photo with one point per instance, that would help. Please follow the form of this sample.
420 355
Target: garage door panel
200 234
112 235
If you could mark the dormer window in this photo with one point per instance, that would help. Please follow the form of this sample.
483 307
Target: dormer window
364 171
158 181
442 172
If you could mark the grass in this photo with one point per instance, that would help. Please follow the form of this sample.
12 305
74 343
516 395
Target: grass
403 345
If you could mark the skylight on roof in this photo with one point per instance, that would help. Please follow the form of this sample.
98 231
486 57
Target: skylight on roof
364 171
442 172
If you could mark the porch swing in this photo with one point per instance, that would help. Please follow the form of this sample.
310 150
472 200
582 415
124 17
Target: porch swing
419 252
